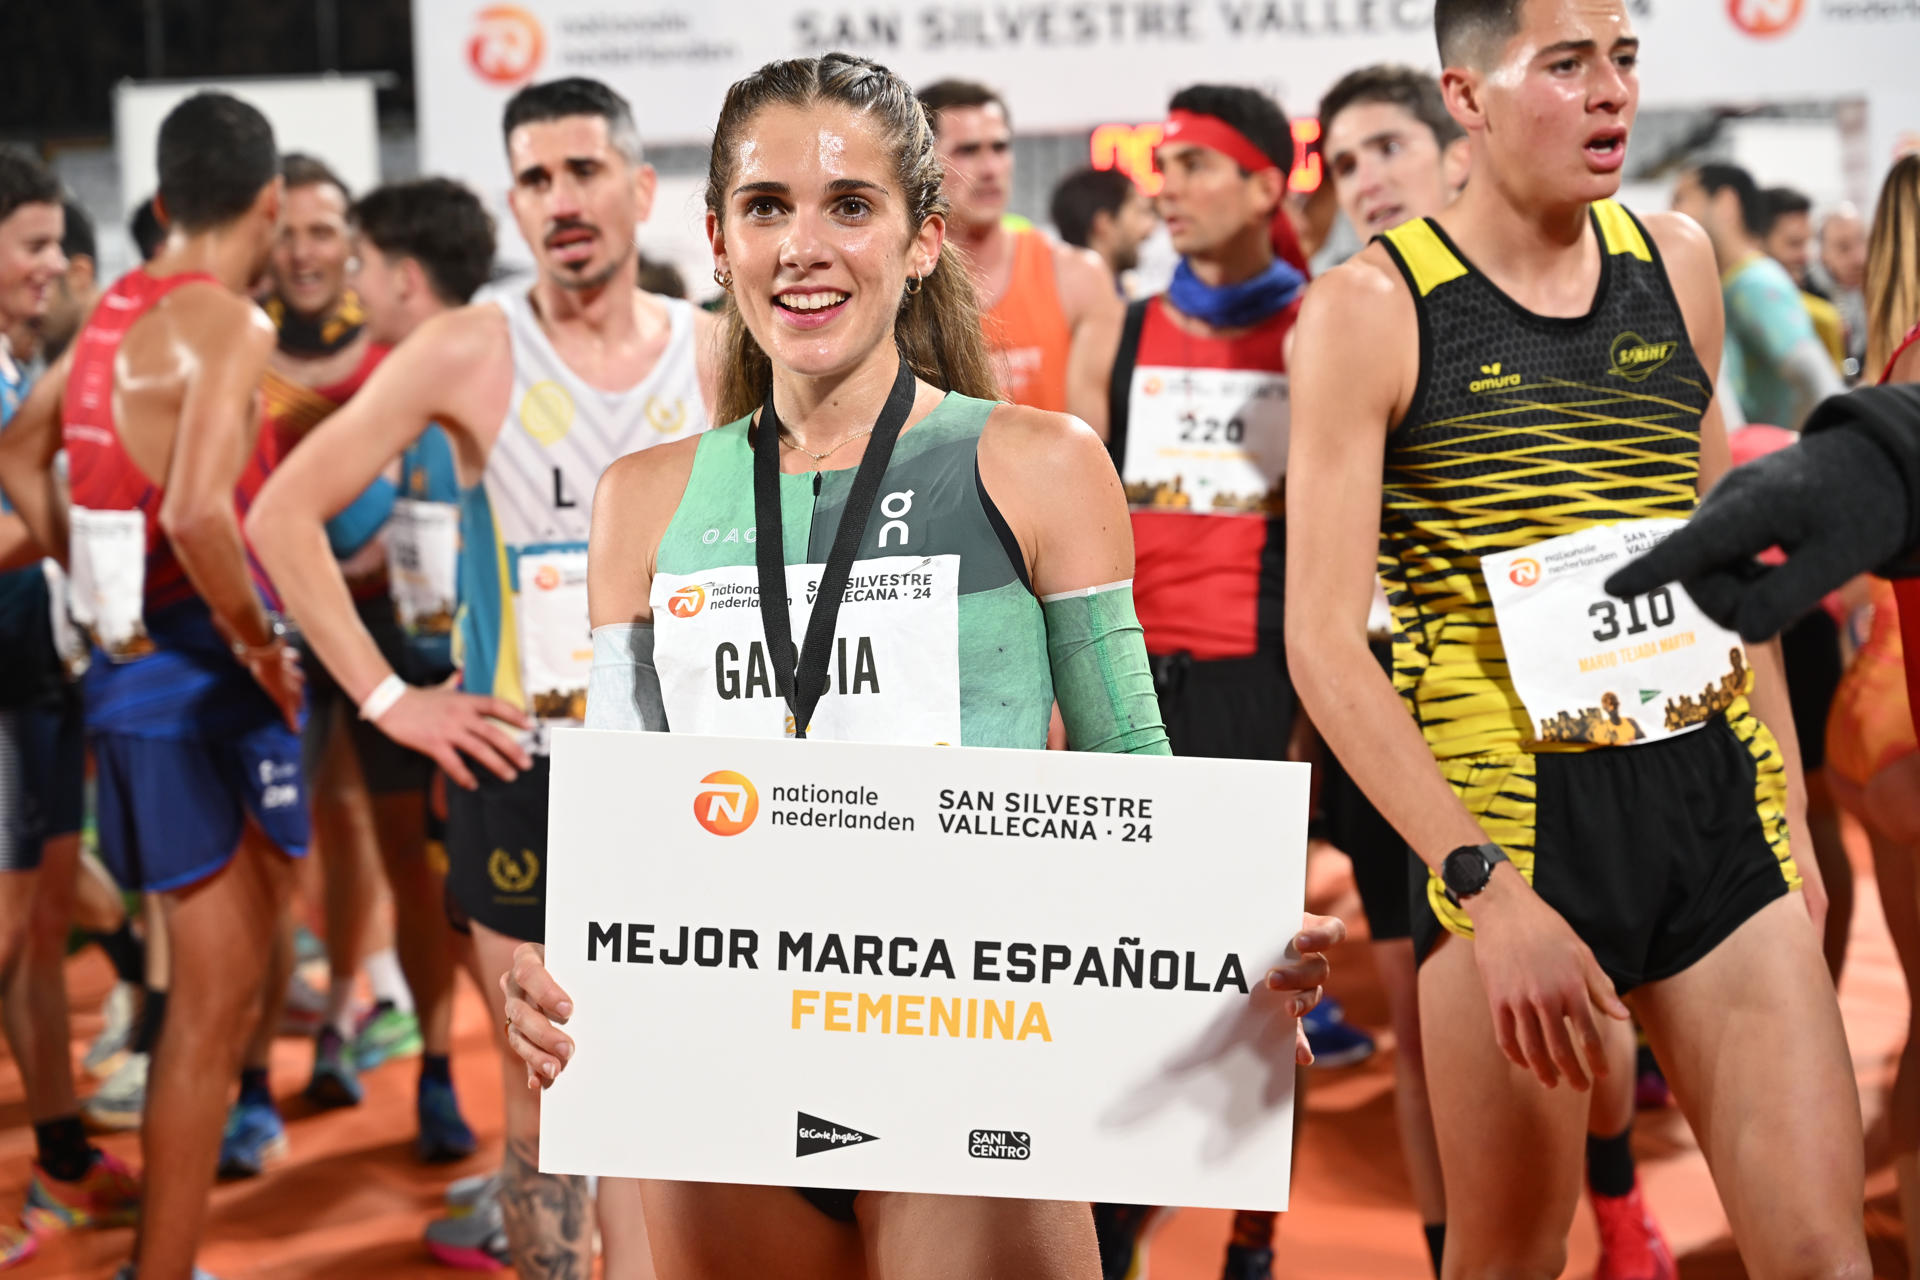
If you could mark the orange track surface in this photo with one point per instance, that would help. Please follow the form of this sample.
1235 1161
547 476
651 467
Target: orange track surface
352 1202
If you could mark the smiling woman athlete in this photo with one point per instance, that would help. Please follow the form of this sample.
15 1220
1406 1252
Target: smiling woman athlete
875 450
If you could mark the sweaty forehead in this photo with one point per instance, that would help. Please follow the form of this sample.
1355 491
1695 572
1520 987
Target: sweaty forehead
37 220
1362 121
315 202
956 126
1551 22
804 147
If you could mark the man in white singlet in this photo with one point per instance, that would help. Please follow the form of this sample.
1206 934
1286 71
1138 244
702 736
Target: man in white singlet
538 392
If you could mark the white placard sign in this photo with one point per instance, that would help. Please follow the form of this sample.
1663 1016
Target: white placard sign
947 970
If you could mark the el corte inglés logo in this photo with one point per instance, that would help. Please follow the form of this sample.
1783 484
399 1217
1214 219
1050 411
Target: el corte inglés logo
726 803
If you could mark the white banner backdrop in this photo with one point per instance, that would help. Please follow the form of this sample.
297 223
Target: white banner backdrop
958 971
1075 64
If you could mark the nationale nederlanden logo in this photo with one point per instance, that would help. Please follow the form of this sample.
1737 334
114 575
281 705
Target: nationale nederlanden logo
506 45
1525 572
687 601
726 803
1765 17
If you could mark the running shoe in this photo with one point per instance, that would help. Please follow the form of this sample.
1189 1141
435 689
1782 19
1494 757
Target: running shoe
255 1140
465 1193
1335 1043
108 1195
1631 1246
335 1082
305 1011
110 1047
17 1244
1247 1264
307 947
476 1242
385 1033
444 1135
122 1097
1650 1091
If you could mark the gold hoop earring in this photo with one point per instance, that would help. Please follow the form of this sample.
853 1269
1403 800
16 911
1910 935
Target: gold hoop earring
913 285
723 278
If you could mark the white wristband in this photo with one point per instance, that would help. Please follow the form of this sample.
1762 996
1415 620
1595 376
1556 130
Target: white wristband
384 695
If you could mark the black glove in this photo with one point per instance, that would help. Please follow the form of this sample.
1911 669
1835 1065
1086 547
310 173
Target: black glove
1842 502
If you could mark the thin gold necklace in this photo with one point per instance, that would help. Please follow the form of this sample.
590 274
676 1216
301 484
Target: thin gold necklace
822 457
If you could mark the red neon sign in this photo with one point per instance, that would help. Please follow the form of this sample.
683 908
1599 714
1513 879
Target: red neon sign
1129 148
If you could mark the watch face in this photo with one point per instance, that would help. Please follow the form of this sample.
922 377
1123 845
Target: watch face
1466 872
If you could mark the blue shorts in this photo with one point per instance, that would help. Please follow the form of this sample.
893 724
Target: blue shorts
43 767
171 810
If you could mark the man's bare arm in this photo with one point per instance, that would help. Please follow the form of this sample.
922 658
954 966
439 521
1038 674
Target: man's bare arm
1696 283
450 371
211 445
27 449
1096 314
417 384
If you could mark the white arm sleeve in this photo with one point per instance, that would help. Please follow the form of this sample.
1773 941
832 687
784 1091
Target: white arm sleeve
623 690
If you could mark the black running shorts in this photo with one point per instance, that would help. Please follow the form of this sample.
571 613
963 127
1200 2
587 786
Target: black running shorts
497 851
1654 854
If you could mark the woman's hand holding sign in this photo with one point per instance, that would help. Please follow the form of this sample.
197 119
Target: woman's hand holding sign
535 1004
1308 974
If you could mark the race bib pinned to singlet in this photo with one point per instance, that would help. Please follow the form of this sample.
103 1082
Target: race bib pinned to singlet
423 564
1207 441
893 674
1593 669
108 554
556 636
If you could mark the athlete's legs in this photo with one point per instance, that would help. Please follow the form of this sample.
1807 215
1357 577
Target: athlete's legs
1752 1042
549 1217
623 1231
911 1237
35 996
717 1231
1836 869
97 904
343 837
1512 1151
1412 1107
422 935
273 994
222 931
1889 808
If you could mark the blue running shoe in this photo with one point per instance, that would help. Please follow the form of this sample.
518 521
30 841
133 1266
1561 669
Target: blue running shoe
1333 1041
336 1081
255 1140
444 1135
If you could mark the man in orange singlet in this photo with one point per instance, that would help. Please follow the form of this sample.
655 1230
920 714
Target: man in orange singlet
1051 312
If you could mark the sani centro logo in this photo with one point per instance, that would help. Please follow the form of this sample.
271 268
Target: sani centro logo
506 45
687 601
726 804
1765 18
1525 572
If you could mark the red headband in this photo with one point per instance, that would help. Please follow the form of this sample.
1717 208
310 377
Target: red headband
1216 135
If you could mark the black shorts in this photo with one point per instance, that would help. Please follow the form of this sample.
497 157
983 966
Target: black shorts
497 851
387 767
43 768
1654 854
1810 653
1226 708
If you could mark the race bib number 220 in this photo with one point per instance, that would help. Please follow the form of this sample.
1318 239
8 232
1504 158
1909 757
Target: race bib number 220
1594 669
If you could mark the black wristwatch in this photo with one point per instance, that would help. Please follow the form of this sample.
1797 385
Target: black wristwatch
1467 869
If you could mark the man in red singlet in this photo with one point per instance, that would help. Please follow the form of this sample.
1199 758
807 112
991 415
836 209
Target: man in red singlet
1199 434
193 700
1050 311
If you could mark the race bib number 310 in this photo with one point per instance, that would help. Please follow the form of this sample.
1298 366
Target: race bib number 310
1594 669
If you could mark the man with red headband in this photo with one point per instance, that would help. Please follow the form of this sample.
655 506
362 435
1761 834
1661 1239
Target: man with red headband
1198 430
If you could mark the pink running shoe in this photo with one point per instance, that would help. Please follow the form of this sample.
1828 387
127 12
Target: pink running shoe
108 1196
1631 1246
